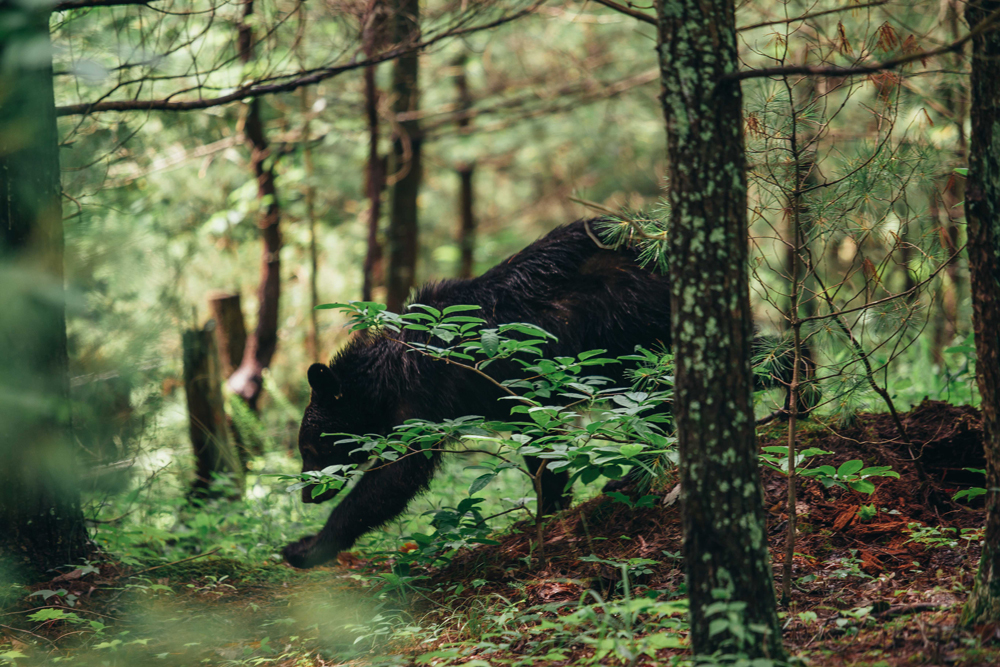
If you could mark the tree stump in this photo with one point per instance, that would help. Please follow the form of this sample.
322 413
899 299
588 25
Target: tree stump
230 330
214 455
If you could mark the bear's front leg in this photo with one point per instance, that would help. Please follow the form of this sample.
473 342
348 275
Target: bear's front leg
309 552
380 496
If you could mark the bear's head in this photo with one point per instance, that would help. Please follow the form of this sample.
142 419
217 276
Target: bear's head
330 415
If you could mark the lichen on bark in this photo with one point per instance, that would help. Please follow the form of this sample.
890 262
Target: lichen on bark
724 546
982 211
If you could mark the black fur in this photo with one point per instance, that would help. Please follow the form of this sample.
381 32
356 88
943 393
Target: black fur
587 296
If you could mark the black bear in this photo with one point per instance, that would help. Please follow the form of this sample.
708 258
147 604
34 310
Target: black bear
588 296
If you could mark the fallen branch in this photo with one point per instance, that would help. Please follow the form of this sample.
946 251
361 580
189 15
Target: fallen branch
176 562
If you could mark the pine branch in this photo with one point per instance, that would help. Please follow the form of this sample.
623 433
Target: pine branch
892 63
806 17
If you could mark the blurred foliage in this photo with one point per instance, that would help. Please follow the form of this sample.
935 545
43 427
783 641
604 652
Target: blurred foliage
161 209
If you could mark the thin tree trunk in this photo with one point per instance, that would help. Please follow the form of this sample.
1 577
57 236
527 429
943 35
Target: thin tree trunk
982 210
247 381
953 98
312 339
467 220
465 169
725 538
42 524
213 453
374 183
406 164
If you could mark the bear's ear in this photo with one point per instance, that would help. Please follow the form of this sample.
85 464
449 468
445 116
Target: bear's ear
323 381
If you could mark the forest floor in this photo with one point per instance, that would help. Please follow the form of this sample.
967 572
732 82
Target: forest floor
879 580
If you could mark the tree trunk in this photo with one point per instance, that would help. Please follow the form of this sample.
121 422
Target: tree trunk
465 169
725 538
42 524
374 184
312 340
982 210
467 220
406 165
247 381
213 453
230 329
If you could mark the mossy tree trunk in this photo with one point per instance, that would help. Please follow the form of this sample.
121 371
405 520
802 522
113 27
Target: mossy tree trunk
406 164
725 546
214 455
982 210
41 524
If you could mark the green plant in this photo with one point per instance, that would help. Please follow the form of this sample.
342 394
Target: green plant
867 513
936 537
973 492
626 427
851 474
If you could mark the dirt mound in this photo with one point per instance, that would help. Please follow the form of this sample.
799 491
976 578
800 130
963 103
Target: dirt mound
832 535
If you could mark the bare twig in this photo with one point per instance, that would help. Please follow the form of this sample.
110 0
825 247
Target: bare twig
305 78
806 17
651 20
628 11
892 63
176 562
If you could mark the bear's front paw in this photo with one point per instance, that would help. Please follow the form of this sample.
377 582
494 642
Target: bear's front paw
306 553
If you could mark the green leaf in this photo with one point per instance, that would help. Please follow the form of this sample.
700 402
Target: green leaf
430 309
491 341
628 451
863 486
480 482
962 171
879 471
461 309
849 468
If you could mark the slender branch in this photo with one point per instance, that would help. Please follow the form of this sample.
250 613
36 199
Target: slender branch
475 370
863 356
771 417
651 20
892 63
628 11
893 297
442 450
806 17
176 562
257 89
86 4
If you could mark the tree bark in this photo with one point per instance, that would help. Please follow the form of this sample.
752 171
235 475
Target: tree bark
247 381
406 164
952 193
465 169
41 523
312 340
213 453
725 539
230 329
467 220
982 210
374 184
